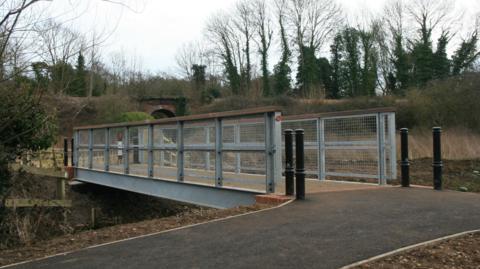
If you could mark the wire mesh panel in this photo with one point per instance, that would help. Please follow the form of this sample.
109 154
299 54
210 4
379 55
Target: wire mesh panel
165 152
311 144
116 153
199 153
356 146
351 146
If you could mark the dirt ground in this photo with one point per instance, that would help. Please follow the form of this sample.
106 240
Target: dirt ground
458 175
93 237
462 252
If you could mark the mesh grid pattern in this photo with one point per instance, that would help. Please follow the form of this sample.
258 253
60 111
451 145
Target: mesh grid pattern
99 137
351 129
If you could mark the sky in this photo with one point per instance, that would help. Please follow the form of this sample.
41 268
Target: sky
154 30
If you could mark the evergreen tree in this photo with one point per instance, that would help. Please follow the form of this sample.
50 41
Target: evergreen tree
465 55
282 71
79 85
441 63
335 50
370 61
198 77
351 67
325 74
401 77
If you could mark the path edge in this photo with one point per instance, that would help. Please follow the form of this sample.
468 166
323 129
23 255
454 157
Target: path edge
403 249
148 235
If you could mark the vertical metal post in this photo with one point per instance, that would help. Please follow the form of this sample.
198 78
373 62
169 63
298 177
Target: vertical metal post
107 150
207 153
236 138
393 146
381 149
162 152
405 163
126 151
90 148
273 152
218 152
75 151
300 163
437 158
150 150
65 152
289 172
180 152
72 154
321 148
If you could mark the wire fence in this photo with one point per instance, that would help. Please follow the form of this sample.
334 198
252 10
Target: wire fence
225 150
350 145
243 150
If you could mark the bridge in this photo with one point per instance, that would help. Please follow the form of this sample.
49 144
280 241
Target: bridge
159 107
225 159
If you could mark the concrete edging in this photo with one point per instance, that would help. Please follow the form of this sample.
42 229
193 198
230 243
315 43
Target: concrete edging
397 251
147 235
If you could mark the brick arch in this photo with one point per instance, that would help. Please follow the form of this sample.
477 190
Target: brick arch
158 107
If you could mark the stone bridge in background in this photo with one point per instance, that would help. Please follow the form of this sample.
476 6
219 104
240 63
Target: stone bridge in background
159 107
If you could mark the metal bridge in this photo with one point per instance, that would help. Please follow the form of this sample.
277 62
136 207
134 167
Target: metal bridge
226 159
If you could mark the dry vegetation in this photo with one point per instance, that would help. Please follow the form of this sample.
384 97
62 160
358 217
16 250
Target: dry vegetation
462 252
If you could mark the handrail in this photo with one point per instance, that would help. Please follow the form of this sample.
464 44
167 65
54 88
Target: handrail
199 117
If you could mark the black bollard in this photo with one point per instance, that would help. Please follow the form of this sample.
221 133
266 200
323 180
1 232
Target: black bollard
72 145
405 163
300 164
289 173
65 152
437 158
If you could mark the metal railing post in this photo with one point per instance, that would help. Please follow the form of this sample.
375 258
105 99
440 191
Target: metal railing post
289 171
405 163
162 152
90 148
126 151
393 145
273 152
150 150
180 152
218 152
72 145
381 148
321 148
65 152
107 150
300 163
207 153
437 158
236 138
76 145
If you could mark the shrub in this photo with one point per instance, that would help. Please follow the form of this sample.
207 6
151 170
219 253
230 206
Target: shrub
134 116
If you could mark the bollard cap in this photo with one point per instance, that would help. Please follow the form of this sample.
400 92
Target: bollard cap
288 131
404 130
299 131
437 129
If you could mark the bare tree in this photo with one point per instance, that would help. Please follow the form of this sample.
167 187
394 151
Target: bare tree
314 21
244 23
264 29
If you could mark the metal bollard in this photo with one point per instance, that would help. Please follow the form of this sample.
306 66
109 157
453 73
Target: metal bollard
300 164
289 172
65 152
405 163
437 158
72 145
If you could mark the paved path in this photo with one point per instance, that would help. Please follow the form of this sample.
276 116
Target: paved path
328 230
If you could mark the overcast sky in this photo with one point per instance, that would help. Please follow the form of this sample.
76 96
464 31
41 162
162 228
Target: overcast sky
155 29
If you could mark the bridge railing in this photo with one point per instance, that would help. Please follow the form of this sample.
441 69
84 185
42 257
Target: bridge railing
349 145
237 150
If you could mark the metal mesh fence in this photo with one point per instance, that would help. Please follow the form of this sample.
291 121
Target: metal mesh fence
358 146
230 152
